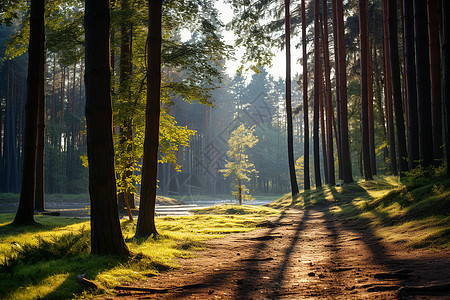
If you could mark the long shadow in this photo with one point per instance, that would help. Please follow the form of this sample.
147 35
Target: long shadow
410 271
249 266
280 277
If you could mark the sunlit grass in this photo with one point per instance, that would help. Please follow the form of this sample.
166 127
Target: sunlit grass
35 274
416 215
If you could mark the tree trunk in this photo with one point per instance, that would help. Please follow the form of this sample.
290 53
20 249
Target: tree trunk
342 73
106 234
388 94
146 221
306 183
39 200
446 76
434 7
413 126
338 108
423 82
290 138
329 104
317 77
364 42
35 90
396 85
373 157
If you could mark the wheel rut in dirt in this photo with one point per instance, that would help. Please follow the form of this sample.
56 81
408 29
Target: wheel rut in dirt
302 254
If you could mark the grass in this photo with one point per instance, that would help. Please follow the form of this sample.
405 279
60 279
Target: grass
44 260
415 214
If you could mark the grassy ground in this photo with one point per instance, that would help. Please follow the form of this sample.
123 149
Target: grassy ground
415 212
44 260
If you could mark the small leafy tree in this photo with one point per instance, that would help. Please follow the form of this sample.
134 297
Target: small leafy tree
239 165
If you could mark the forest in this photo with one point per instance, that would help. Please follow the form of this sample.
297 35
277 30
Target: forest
115 115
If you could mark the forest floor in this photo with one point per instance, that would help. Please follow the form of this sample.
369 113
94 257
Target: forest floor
302 254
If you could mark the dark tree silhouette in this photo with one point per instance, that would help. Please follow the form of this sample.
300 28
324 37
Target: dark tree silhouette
434 9
146 221
364 48
290 138
423 81
307 184
344 143
317 78
413 126
396 85
446 77
106 234
35 87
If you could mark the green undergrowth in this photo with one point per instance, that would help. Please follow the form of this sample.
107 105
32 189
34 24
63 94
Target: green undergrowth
414 211
227 209
44 260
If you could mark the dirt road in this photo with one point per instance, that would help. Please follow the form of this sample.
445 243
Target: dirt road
303 255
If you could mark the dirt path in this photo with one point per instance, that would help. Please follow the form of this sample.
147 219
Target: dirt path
302 256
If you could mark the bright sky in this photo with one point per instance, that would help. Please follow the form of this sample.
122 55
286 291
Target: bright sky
279 61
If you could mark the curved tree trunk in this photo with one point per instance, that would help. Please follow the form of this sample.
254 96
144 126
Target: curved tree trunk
35 91
106 234
146 221
290 141
306 184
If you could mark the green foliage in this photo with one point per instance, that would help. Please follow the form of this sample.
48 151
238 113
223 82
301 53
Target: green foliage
420 175
227 209
239 165
415 215
47 266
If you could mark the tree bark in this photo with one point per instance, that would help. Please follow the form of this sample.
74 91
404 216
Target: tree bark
106 234
446 76
413 118
434 7
342 73
423 82
373 157
388 94
35 90
329 104
290 138
146 221
364 47
306 183
39 200
317 77
396 85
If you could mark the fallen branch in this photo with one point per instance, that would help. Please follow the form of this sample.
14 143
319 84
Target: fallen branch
86 282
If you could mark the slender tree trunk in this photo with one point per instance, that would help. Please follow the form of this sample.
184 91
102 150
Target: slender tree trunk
106 234
146 221
35 90
322 126
364 42
423 82
306 184
290 138
446 76
317 77
396 85
413 126
388 94
434 7
338 103
329 104
39 200
346 162
373 158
